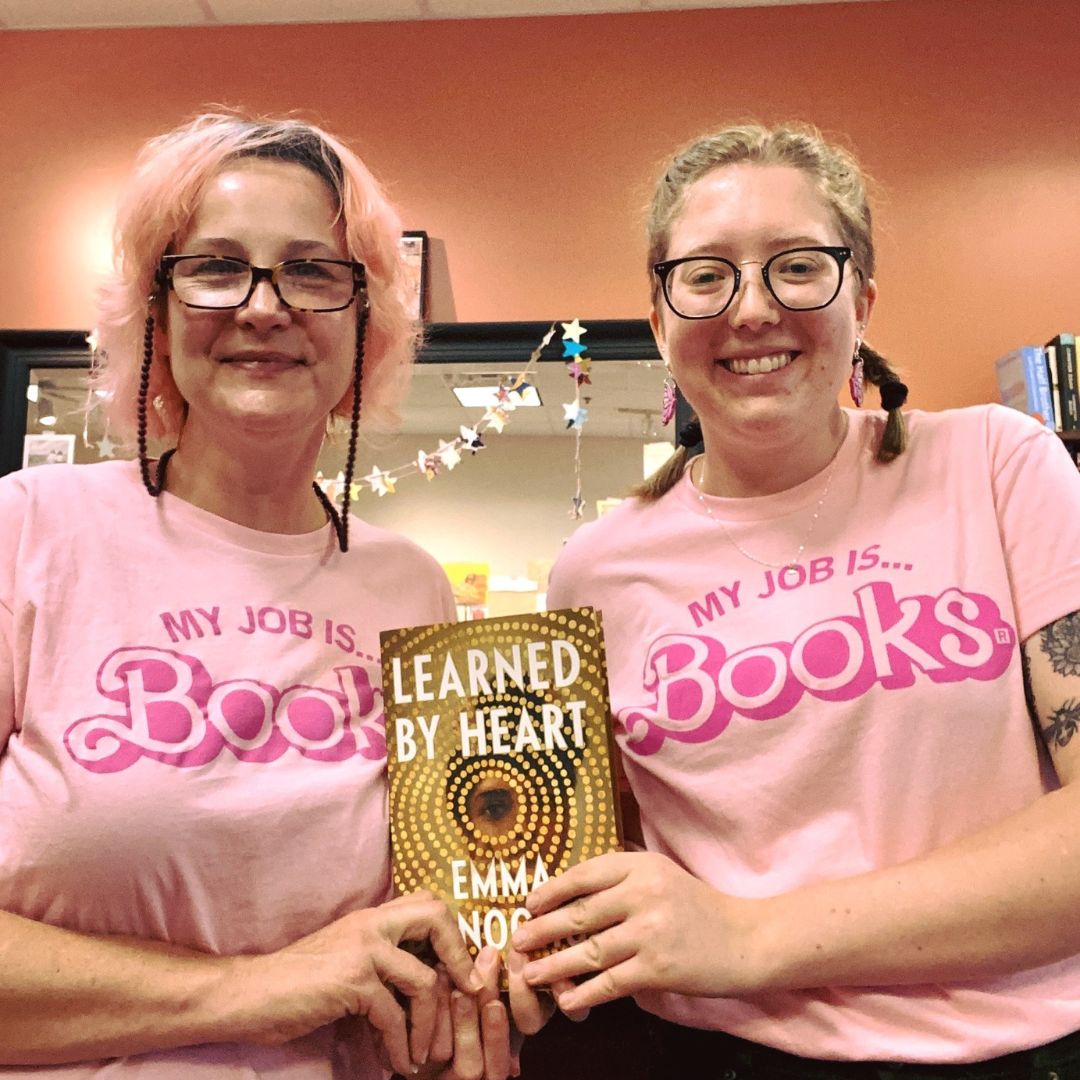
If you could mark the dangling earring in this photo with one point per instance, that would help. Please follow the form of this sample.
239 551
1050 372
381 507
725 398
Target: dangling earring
855 380
667 405
156 486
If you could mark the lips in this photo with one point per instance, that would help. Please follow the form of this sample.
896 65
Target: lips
763 364
260 358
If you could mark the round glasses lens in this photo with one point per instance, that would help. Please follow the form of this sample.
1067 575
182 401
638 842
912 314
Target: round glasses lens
700 287
804 279
316 284
207 281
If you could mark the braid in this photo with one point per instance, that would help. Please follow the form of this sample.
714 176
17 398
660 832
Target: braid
667 476
156 486
341 521
894 393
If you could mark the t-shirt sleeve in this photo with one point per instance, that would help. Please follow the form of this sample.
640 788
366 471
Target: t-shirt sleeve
1037 493
12 516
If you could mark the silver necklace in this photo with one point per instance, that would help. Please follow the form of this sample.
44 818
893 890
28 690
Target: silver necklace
794 560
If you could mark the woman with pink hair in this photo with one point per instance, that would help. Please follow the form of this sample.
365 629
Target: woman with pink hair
194 870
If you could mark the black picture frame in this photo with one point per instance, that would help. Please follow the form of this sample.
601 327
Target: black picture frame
20 351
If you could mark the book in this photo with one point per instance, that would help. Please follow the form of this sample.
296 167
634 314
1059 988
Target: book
1024 384
1061 360
500 760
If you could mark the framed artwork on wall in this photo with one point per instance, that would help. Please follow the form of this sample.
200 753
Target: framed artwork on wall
51 449
414 248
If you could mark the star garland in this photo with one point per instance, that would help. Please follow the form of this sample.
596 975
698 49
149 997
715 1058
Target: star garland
470 440
574 412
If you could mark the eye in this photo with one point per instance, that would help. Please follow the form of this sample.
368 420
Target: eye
314 272
493 806
209 266
800 264
703 274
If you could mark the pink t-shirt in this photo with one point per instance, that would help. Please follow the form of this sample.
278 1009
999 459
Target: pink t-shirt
191 731
781 728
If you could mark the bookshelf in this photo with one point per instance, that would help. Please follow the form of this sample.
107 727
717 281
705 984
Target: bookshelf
1071 439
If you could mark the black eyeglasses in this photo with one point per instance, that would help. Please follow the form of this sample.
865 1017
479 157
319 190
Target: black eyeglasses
218 282
802 279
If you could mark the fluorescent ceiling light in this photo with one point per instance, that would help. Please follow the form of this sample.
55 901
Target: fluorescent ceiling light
483 397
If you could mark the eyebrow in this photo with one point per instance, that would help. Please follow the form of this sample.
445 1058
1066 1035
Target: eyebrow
782 243
293 249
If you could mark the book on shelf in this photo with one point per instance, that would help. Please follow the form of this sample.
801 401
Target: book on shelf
500 760
1062 369
1024 383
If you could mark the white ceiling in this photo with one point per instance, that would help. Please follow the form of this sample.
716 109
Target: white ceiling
78 14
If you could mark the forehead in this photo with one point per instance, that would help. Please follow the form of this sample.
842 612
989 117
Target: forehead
254 196
748 204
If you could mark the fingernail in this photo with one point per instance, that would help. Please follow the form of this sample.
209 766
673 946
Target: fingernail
519 939
476 980
421 1058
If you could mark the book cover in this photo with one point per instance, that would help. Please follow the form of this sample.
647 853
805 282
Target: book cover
500 760
1023 383
1068 398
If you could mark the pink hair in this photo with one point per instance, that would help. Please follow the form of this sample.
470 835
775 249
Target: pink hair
170 174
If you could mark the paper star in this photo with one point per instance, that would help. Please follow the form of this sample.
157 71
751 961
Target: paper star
106 447
573 330
574 414
471 438
572 348
382 483
503 399
428 464
495 418
354 492
579 372
448 454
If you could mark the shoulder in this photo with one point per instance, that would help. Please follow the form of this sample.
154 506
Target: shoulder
62 489
617 527
604 547
391 552
973 436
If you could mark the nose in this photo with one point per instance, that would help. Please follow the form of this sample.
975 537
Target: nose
264 309
753 305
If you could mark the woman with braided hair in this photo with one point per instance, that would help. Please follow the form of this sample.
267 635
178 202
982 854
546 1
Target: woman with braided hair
842 646
194 865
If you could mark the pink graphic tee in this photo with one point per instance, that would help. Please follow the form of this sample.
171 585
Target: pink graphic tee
785 727
192 746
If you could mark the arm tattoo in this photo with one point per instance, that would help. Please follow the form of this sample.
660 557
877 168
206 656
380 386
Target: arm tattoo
1061 643
1064 724
1060 646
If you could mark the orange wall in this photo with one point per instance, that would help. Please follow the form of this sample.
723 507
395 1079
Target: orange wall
527 147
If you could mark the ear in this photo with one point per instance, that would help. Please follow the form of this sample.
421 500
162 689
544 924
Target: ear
864 303
656 324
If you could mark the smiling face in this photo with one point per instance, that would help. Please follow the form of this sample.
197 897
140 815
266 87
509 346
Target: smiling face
758 372
262 368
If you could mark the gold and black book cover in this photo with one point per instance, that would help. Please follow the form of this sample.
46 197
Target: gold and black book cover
500 760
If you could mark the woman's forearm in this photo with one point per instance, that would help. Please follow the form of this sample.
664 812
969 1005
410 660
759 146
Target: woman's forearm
999 901
68 997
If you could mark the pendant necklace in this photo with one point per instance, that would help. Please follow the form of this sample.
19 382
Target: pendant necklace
794 560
